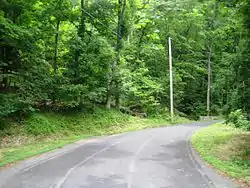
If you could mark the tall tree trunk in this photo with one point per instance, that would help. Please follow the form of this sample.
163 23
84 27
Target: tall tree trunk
121 26
55 65
81 32
109 94
209 80
82 28
5 69
115 67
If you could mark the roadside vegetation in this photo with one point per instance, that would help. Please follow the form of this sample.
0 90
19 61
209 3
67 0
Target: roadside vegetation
59 56
42 132
226 146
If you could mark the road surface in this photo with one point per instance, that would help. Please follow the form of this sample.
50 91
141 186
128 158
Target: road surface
153 158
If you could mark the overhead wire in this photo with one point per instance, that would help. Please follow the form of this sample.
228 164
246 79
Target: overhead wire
93 17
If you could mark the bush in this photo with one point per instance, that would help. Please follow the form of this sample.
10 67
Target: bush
245 124
2 124
13 104
38 124
239 120
234 116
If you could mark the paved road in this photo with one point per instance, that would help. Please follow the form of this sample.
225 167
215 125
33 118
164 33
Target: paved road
153 158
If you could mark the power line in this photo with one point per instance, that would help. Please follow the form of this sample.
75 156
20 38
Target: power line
104 25
100 6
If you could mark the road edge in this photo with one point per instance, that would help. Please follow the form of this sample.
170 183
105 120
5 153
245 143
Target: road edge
26 164
212 176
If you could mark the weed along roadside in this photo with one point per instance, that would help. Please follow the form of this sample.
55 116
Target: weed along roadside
227 149
43 132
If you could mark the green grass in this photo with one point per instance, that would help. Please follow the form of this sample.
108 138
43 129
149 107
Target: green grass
227 149
43 132
12 154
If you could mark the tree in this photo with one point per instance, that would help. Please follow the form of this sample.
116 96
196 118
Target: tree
63 54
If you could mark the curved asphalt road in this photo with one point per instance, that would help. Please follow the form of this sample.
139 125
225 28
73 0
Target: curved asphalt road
153 158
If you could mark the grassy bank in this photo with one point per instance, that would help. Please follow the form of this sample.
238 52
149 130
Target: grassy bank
227 149
43 132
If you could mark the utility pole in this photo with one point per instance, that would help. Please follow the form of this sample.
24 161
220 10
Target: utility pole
209 80
171 79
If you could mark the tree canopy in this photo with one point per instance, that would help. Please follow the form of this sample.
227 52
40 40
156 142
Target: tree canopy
74 54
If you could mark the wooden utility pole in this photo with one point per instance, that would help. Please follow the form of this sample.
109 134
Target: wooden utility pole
114 83
211 28
209 80
171 79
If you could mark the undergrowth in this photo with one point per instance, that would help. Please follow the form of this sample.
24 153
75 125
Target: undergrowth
43 132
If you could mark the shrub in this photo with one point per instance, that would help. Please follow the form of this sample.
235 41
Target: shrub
13 104
2 124
38 124
234 116
245 124
239 120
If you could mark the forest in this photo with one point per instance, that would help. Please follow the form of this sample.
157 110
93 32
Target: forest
68 55
72 70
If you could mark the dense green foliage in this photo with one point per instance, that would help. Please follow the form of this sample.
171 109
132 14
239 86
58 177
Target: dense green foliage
239 120
75 54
